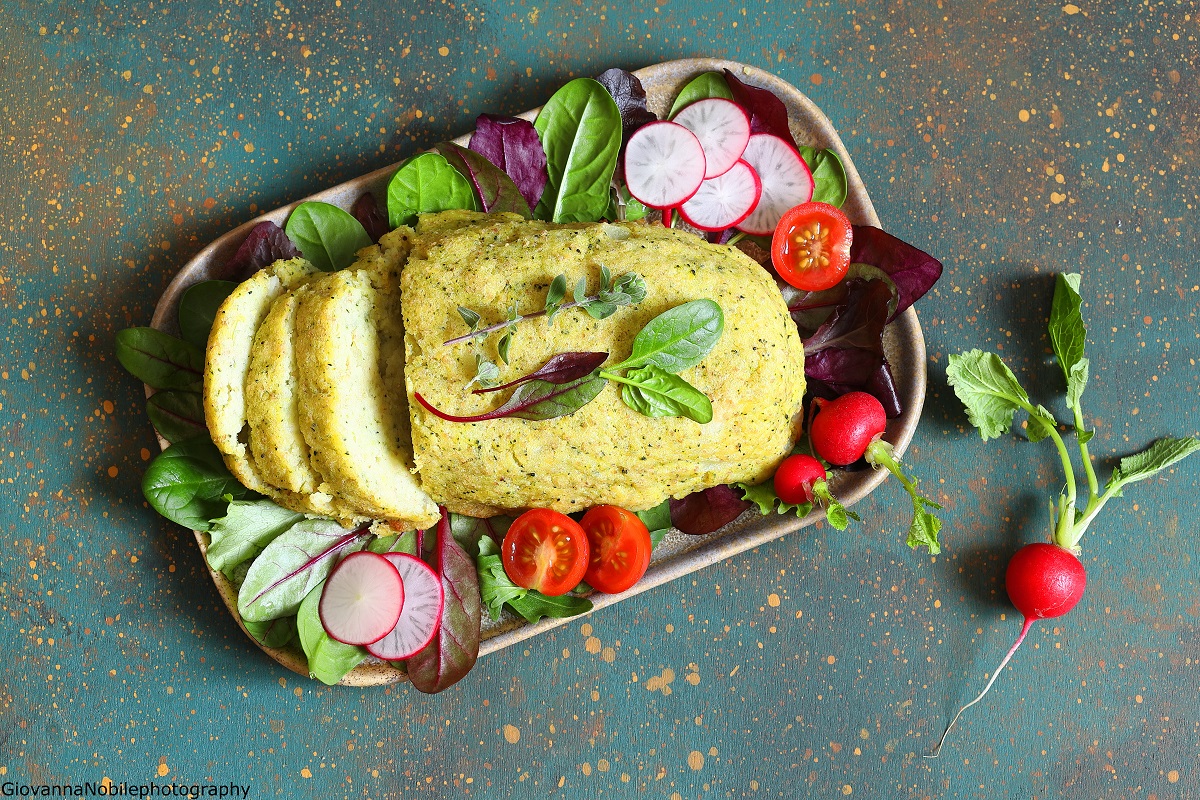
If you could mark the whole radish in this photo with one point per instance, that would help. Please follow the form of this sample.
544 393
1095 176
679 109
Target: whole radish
851 427
802 479
1043 581
1046 580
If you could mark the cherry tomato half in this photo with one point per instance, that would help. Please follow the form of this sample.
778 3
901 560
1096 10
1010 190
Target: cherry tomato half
811 246
620 546
795 478
545 550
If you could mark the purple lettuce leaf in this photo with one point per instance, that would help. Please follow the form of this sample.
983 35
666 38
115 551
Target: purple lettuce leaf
559 369
767 112
455 647
265 244
707 510
512 144
494 188
912 270
370 216
627 90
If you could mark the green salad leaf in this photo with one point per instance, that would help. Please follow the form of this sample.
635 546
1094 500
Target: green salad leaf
424 184
654 392
160 360
328 659
198 308
246 528
273 633
701 87
829 176
177 414
580 130
188 483
327 235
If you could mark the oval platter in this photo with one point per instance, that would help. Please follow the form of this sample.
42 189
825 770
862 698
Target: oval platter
678 554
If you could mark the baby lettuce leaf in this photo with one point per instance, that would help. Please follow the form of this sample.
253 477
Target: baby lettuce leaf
707 510
265 244
767 112
494 190
512 144
455 647
198 308
292 564
701 87
327 235
678 338
188 483
580 130
247 527
425 184
370 216
913 271
159 360
654 392
829 176
496 589
177 415
558 369
273 633
536 400
328 660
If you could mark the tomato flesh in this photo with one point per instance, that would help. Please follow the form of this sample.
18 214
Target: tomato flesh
811 246
546 551
620 548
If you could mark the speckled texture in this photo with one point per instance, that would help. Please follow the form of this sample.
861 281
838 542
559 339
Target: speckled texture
813 665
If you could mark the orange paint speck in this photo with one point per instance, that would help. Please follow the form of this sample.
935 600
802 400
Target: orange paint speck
816 79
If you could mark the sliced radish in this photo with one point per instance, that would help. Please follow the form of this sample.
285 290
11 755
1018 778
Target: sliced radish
724 201
422 612
723 129
362 599
664 164
786 181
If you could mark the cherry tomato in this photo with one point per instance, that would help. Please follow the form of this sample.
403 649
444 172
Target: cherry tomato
620 546
545 550
811 246
795 478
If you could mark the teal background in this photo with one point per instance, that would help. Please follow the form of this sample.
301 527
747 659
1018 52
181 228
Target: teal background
1012 140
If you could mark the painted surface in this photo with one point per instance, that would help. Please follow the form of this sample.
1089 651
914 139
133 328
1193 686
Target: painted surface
1011 140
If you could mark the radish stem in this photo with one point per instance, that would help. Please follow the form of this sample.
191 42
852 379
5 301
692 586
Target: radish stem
1007 657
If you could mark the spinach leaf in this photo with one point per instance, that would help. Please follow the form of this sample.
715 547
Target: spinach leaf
176 414
273 633
580 130
327 235
654 392
657 518
536 400
494 190
829 176
188 483
678 338
455 647
292 564
159 360
198 308
425 184
328 660
701 87
512 144
247 527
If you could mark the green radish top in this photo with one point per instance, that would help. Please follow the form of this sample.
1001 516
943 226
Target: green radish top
992 396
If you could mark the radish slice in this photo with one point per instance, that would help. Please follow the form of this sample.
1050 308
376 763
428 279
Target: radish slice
722 128
786 182
724 201
422 612
664 164
362 599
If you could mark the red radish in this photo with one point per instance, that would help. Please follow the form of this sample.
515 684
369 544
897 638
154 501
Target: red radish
786 182
664 164
723 129
724 201
795 478
362 599
1043 581
844 428
422 612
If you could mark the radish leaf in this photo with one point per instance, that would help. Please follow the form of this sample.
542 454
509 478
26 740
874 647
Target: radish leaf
1160 455
989 390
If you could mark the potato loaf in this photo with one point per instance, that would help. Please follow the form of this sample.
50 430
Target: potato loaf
604 452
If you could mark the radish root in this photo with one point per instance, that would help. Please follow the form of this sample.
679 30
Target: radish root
1008 656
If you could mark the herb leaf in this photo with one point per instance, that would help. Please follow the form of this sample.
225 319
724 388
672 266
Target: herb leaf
159 360
678 338
654 392
580 130
535 400
247 527
561 368
327 235
470 317
424 184
555 295
198 308
176 414
328 660
1160 455
487 374
188 483
988 389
